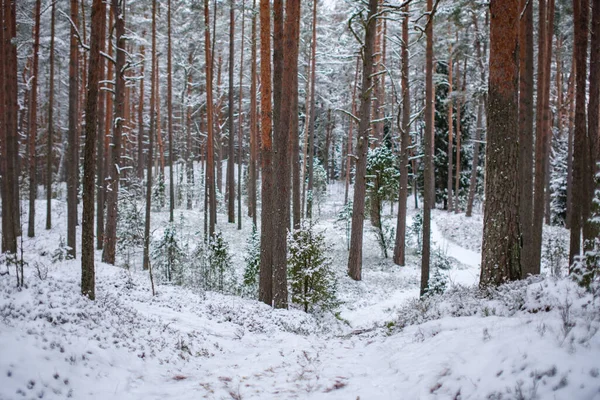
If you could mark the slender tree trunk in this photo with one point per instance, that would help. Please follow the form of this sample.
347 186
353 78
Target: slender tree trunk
72 150
349 155
265 290
50 139
189 163
281 197
501 238
253 124
170 113
210 162
88 275
150 156
360 179
400 246
450 132
478 136
240 120
102 94
311 119
112 198
428 192
231 136
571 123
327 144
542 131
33 123
140 165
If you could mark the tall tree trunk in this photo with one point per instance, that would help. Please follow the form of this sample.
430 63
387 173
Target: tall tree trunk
580 145
140 157
450 132
72 150
285 130
526 134
349 155
400 246
360 179
102 94
311 119
150 156
189 163
33 123
8 127
50 139
265 289
112 198
88 275
501 237
210 162
542 139
477 139
571 122
253 124
590 228
231 137
428 142
170 113
240 120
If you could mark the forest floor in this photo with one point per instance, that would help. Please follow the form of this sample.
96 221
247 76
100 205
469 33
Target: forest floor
534 339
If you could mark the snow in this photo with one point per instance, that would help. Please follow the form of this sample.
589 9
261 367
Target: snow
535 339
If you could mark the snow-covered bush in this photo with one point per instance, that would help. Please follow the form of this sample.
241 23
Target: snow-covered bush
159 197
219 274
555 252
415 231
61 253
168 258
385 235
130 222
313 285
252 259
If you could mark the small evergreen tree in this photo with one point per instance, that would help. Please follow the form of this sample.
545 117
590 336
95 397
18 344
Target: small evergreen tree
159 193
219 274
130 223
313 285
168 257
252 259
345 216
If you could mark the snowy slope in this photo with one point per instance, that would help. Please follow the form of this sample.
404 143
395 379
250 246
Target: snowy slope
532 340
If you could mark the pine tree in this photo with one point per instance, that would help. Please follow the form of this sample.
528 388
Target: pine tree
313 283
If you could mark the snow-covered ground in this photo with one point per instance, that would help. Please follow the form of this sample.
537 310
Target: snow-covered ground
535 339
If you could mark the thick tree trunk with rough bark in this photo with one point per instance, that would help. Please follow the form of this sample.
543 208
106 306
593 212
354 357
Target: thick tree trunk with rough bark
501 250
400 245
114 172
88 275
210 146
253 124
364 126
281 163
428 191
580 136
267 239
526 133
